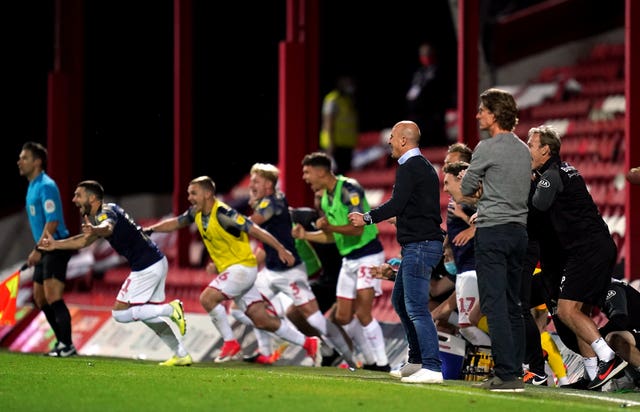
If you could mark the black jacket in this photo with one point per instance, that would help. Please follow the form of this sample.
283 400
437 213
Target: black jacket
562 192
415 202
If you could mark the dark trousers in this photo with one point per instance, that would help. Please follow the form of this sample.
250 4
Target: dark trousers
499 252
533 347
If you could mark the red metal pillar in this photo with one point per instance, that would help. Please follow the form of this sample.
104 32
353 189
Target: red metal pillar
632 144
298 98
182 119
468 69
65 91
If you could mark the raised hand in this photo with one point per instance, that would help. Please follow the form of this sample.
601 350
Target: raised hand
286 257
383 271
298 231
322 223
47 242
356 219
87 228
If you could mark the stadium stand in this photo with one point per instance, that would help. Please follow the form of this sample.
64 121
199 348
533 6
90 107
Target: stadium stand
590 118
584 101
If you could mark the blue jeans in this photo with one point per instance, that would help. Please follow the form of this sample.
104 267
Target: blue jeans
500 251
410 299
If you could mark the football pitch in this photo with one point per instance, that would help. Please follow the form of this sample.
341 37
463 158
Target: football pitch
32 382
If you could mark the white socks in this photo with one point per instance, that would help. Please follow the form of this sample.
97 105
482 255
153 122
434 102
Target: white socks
142 312
219 318
290 334
319 322
373 333
591 366
603 350
356 331
167 335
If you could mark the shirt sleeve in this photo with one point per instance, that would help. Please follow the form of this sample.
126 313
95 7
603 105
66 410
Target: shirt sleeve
231 219
187 217
50 199
106 215
352 196
480 162
329 107
402 191
266 208
547 189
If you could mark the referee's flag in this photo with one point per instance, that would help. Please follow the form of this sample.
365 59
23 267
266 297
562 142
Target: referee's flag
8 297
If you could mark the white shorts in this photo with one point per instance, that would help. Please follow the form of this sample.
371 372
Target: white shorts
293 282
145 286
279 304
466 295
355 275
237 283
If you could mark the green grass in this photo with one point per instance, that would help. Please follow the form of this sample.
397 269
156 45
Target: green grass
32 382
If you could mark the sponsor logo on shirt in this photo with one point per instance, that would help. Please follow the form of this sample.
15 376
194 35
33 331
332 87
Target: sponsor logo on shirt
544 183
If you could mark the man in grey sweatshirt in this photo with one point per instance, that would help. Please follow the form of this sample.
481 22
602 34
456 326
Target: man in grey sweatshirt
501 168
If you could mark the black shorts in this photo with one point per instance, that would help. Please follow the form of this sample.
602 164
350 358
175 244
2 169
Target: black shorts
52 265
588 272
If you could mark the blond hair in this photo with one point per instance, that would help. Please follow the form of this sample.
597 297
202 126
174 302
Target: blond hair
267 171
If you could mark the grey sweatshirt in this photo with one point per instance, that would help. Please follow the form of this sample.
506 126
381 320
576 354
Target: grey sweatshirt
503 164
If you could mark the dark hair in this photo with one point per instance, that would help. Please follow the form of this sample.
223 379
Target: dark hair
464 150
204 182
38 151
503 106
93 187
549 136
317 159
455 168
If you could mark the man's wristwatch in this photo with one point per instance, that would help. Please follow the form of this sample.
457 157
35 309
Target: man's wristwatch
367 219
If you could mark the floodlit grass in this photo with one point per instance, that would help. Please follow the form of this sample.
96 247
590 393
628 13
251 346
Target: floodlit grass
32 382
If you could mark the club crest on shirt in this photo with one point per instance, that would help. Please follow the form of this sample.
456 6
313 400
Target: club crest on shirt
263 204
49 206
355 199
101 217
240 219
